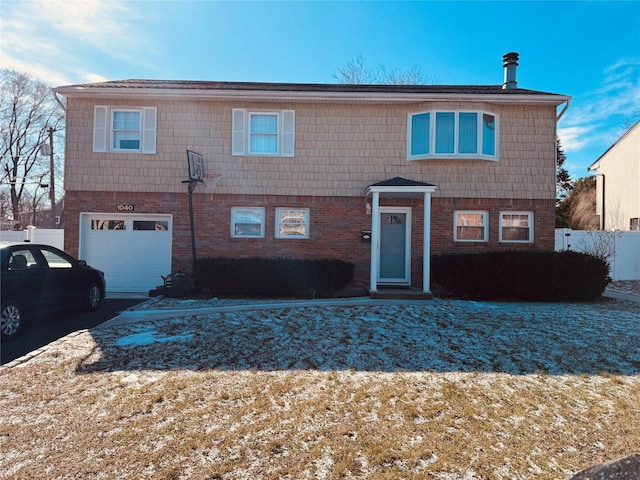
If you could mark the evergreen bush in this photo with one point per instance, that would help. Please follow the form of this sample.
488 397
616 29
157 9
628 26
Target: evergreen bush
518 275
272 277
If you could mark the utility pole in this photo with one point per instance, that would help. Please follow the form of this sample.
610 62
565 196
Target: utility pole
52 189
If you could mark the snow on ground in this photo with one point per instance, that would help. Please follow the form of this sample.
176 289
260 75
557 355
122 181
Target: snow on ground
436 335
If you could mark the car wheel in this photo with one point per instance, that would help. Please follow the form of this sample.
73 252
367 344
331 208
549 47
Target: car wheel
93 296
11 319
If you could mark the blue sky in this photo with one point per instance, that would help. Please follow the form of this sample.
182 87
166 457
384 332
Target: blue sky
589 50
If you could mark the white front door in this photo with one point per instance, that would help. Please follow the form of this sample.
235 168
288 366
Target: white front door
395 246
133 250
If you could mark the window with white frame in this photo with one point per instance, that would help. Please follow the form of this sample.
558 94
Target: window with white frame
247 222
452 134
292 223
471 226
123 129
516 227
263 132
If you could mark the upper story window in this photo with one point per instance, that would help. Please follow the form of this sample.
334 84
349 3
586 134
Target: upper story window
452 134
263 132
120 129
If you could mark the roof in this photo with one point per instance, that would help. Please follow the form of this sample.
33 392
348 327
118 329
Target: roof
209 89
400 187
401 182
595 165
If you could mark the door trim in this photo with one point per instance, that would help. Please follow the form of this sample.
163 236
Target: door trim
407 250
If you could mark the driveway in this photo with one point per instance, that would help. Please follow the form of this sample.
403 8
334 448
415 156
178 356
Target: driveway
47 328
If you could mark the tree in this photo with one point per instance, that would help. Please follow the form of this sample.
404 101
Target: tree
28 111
563 179
578 208
563 187
357 72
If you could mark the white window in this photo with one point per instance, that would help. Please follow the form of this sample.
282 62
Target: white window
471 226
452 134
516 227
247 222
119 129
263 132
292 223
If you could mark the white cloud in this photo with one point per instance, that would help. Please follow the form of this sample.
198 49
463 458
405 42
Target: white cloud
57 41
597 117
94 78
573 138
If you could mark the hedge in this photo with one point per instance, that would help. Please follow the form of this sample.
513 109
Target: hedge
531 276
272 277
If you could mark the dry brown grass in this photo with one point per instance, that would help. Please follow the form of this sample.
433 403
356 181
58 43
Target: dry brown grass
60 419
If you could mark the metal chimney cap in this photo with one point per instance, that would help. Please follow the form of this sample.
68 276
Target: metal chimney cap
511 57
510 63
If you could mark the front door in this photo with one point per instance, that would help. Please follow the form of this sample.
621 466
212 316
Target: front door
395 246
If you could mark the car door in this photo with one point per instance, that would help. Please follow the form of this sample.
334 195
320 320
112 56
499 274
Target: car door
22 278
62 279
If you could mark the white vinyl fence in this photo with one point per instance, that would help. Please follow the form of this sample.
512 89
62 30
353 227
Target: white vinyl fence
46 236
621 248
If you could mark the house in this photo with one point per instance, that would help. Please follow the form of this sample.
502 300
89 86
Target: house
618 183
383 176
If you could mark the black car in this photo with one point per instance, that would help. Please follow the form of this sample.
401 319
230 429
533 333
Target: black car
36 279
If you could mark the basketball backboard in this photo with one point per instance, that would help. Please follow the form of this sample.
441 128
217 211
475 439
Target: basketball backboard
196 166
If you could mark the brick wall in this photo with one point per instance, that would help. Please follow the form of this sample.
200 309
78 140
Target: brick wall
335 225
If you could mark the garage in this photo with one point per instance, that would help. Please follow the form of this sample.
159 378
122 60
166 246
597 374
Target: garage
133 250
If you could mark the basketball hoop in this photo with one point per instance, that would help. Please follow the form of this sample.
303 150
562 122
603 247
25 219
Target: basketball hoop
211 179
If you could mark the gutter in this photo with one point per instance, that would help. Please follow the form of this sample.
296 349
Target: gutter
268 95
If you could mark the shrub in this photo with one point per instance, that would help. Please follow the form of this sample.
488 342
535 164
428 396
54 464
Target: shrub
272 277
532 276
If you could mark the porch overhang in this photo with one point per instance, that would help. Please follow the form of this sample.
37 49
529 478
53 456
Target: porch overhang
399 187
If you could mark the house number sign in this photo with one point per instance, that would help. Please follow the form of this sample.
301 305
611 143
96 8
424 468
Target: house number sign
125 207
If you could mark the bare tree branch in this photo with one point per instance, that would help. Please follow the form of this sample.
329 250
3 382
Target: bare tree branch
27 111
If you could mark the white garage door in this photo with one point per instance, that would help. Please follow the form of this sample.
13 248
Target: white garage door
133 250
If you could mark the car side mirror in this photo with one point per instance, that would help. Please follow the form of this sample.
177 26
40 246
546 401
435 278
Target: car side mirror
82 263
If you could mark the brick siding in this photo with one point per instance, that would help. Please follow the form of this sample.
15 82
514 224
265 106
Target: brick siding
335 225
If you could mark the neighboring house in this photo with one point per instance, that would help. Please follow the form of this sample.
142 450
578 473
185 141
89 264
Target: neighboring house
383 176
618 183
43 218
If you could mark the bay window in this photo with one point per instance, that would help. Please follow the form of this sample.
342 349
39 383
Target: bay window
452 134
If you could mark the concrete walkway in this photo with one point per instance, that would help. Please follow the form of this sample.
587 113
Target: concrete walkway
626 290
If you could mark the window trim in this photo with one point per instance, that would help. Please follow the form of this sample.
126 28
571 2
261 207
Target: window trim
431 140
259 210
103 131
530 226
241 132
485 226
292 237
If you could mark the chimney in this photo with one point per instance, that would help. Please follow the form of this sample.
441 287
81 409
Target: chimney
510 62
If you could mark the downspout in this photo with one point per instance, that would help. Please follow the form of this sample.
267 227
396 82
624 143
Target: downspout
55 96
566 106
602 227
603 197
